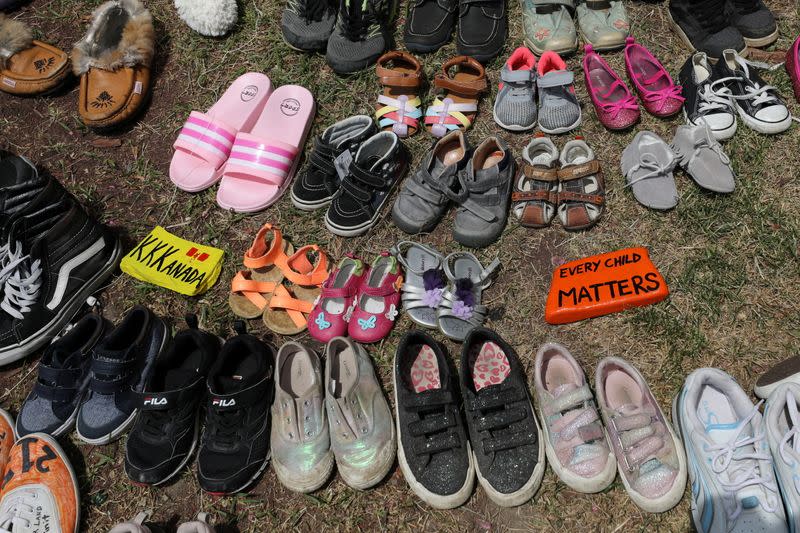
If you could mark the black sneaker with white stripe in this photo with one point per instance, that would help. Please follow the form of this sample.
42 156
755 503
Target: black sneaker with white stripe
49 275
234 448
701 104
167 427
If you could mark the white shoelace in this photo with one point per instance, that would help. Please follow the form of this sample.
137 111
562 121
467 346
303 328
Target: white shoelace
22 283
759 94
744 468
9 260
20 512
711 101
791 454
649 162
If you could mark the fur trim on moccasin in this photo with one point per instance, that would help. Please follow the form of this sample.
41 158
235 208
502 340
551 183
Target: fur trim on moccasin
15 36
121 35
212 18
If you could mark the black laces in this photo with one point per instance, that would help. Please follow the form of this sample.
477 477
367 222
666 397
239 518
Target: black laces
356 21
155 423
225 425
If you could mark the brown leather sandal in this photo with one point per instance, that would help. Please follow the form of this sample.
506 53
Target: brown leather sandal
398 108
535 194
462 79
28 67
581 188
113 62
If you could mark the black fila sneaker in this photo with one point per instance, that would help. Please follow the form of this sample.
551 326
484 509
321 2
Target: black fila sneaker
167 427
234 449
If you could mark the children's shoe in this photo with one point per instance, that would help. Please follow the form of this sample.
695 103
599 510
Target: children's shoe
705 26
486 189
730 466
360 421
62 381
648 164
462 81
559 110
576 444
300 438
754 21
426 194
307 24
234 448
461 309
429 25
659 94
318 182
792 65
334 307
398 108
548 26
40 489
603 23
482 29
759 105
701 104
378 302
361 34
581 187
167 428
613 102
787 371
138 524
782 426
199 525
506 439
703 159
379 164
650 458
7 437
432 446
535 195
121 368
425 282
515 104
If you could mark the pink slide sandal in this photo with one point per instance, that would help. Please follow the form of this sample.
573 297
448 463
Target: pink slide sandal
261 167
205 142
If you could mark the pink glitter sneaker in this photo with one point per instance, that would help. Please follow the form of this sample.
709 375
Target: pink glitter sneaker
793 66
652 462
378 302
659 94
613 102
334 307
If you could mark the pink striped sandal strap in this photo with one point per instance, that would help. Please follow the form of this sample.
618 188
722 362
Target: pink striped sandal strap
266 159
206 138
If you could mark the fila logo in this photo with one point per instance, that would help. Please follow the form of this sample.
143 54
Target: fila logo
194 253
221 402
155 401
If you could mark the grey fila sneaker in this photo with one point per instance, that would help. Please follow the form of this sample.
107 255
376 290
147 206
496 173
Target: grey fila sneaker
300 439
361 425
361 34
307 24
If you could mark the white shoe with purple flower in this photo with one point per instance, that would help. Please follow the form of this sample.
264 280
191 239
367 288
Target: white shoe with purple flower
460 309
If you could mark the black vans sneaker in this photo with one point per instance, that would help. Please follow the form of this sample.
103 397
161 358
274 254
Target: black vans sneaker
122 366
49 278
755 22
429 24
505 436
379 164
705 26
167 427
20 183
701 103
432 445
234 449
482 28
62 380
318 182
361 34
759 105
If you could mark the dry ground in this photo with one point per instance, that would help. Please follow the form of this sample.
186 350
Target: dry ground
731 262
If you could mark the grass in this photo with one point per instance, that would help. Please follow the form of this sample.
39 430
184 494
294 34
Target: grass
731 262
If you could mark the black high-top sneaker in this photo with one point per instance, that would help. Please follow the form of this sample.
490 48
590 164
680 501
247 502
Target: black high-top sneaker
167 427
705 26
361 34
754 21
482 28
234 449
429 24
50 276
20 183
701 103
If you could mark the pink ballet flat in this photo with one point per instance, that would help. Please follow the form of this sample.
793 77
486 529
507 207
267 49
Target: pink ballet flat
334 307
659 94
378 301
613 102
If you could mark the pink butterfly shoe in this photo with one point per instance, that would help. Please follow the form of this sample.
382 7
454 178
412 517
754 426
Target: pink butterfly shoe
378 301
659 94
334 307
613 102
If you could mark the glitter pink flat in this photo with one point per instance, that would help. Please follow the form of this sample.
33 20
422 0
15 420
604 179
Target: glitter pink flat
613 102
660 96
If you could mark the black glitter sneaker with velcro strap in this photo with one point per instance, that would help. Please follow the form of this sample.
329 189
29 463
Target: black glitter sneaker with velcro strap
379 164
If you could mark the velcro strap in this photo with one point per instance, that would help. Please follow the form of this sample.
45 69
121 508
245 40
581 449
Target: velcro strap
556 78
598 4
355 190
231 402
54 394
108 387
429 194
569 3
112 368
539 172
568 196
322 157
366 176
573 172
568 400
338 292
438 444
533 196
428 399
499 398
506 442
158 401
386 289
431 425
56 375
500 419
627 423
401 80
516 76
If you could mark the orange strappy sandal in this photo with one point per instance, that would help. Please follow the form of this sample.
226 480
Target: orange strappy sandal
265 260
288 308
462 79
398 108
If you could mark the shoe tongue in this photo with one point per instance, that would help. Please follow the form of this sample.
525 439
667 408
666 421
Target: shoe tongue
724 433
15 170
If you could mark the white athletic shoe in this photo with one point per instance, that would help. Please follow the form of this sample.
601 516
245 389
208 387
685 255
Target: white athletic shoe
782 421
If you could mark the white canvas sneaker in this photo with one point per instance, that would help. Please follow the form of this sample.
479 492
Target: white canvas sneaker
782 421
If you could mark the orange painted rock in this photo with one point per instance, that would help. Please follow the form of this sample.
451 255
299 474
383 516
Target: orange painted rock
603 284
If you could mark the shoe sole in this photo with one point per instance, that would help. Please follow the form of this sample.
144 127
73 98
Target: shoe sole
685 38
677 422
66 314
249 481
437 501
558 131
605 47
762 41
53 443
512 128
560 51
315 482
308 206
767 128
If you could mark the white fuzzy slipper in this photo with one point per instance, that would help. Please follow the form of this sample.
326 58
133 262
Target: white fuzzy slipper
212 18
